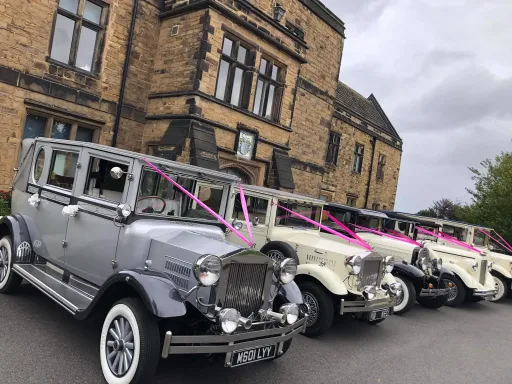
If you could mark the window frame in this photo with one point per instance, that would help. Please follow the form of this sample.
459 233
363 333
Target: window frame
247 71
333 148
375 206
91 157
79 20
357 155
351 198
381 164
36 162
52 164
279 85
51 117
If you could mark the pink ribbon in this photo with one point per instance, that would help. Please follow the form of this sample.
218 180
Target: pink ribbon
457 241
347 229
510 246
203 205
246 213
449 239
325 228
405 240
507 246
402 236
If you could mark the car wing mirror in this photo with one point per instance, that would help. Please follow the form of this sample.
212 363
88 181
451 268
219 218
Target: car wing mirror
116 173
255 221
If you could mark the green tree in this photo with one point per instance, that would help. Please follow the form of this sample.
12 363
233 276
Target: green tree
443 209
492 196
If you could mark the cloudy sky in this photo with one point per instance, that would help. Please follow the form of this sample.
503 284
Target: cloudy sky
442 71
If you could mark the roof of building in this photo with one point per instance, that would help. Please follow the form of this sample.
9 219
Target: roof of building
367 108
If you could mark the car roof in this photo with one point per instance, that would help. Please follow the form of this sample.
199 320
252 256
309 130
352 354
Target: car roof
282 194
221 176
360 211
447 221
416 220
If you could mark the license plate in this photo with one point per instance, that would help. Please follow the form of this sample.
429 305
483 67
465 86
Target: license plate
251 355
379 314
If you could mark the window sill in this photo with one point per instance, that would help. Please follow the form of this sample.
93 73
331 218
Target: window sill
71 68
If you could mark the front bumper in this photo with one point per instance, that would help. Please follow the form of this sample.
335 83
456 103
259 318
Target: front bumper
367 305
426 292
485 293
207 344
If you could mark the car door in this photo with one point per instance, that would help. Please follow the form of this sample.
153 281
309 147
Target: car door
53 179
92 234
256 207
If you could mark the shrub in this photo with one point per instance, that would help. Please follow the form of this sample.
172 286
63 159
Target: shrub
5 203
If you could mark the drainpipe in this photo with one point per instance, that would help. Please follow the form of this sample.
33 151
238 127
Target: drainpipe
367 195
125 72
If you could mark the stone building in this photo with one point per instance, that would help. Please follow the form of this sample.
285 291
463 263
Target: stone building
246 86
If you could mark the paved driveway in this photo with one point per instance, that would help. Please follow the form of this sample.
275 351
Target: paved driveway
41 343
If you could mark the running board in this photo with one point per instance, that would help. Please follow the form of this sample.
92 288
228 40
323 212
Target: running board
63 294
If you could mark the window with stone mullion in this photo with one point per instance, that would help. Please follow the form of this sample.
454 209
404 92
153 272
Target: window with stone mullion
234 79
333 148
269 90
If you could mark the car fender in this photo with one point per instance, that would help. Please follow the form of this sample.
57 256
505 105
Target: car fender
461 273
290 292
445 273
16 227
328 278
502 271
415 275
158 293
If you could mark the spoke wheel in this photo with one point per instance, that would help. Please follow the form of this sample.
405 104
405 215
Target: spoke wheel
313 309
9 280
501 286
276 255
452 294
4 263
120 346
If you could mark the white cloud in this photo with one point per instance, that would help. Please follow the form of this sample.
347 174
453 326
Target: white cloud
441 70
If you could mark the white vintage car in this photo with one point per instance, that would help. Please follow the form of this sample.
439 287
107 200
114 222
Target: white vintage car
335 276
500 263
472 269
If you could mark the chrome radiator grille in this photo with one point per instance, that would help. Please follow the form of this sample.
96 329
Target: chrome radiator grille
244 291
483 270
370 273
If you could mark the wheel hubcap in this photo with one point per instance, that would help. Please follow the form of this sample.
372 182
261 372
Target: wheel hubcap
312 305
499 288
120 346
452 294
275 255
4 263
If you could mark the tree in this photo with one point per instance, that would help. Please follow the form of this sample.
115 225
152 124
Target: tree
492 196
443 209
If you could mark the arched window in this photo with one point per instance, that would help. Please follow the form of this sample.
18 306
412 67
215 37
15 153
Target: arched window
238 173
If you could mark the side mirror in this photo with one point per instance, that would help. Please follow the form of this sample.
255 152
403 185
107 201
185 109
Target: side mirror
116 173
123 210
237 224
255 221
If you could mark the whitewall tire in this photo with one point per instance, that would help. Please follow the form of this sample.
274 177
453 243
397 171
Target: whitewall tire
9 280
129 344
407 298
502 288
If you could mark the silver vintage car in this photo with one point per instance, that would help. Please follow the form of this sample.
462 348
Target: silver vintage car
102 233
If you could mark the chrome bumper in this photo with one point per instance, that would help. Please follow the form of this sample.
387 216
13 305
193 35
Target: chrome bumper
366 305
425 292
207 344
484 294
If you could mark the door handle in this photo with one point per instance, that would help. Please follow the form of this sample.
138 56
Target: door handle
70 210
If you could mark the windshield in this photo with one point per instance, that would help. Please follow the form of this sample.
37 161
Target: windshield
157 196
459 233
284 218
480 240
419 236
402 227
370 222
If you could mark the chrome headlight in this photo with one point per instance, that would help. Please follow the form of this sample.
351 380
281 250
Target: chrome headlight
369 292
475 265
354 264
287 271
395 289
291 311
389 262
439 263
228 320
207 269
424 263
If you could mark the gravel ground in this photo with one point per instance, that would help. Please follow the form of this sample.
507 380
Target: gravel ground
41 343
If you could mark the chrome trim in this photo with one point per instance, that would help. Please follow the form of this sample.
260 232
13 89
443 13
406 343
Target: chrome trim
487 293
367 305
483 271
425 292
174 345
363 278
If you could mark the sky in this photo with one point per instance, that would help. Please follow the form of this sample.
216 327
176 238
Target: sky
442 71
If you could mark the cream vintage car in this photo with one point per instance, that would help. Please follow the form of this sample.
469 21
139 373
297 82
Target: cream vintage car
335 277
500 264
472 269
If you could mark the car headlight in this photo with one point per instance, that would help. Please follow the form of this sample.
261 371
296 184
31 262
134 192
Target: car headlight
389 262
354 264
228 320
475 265
369 292
237 224
439 263
287 271
424 263
291 311
395 289
207 269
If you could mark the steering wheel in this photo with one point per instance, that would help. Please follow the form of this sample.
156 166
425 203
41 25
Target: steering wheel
155 204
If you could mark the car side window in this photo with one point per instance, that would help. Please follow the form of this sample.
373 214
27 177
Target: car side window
39 165
63 169
256 207
100 184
